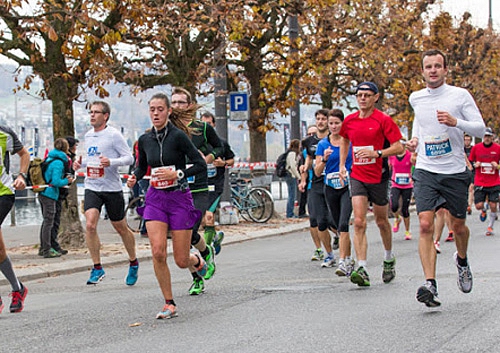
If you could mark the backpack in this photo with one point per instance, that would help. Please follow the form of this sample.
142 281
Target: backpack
281 171
36 170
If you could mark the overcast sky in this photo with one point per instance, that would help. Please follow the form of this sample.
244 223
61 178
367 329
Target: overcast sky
478 8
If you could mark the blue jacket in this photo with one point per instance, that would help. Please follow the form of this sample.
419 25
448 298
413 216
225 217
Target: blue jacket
54 174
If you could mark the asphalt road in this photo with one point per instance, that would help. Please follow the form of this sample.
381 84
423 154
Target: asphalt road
268 296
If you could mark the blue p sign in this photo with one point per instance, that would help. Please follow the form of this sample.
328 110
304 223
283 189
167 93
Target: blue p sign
238 104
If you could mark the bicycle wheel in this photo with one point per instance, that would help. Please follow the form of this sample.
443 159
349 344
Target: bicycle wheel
260 205
134 220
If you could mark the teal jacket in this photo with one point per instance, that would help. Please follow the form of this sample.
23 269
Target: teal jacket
54 174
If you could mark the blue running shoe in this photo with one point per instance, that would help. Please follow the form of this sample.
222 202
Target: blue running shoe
96 276
202 267
483 215
169 311
132 275
219 237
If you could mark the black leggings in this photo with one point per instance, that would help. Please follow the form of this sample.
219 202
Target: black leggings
340 206
406 196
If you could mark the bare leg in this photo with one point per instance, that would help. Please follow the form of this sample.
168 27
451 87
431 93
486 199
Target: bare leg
91 236
127 238
359 206
426 247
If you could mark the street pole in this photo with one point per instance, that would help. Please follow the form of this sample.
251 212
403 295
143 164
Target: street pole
220 87
293 23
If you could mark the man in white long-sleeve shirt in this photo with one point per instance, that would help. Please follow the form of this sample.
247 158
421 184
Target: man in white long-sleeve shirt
105 151
442 114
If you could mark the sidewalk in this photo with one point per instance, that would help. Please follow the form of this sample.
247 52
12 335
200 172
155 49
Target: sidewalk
22 244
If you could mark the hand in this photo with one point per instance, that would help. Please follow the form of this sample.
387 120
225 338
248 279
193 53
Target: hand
412 144
219 162
19 183
105 162
445 118
77 164
327 153
131 180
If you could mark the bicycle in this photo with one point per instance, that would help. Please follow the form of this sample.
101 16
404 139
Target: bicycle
253 203
134 221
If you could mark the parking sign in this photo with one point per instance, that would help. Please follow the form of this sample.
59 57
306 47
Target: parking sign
238 104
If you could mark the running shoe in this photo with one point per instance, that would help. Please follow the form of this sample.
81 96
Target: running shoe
437 246
329 261
335 244
219 237
395 227
349 265
169 311
96 276
51 253
464 280
469 210
202 267
133 274
318 255
197 287
407 235
389 271
210 263
489 231
341 270
483 215
450 237
428 295
360 277
17 304
1 305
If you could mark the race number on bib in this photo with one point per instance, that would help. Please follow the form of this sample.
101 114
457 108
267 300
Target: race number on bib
402 178
361 161
159 183
333 180
437 146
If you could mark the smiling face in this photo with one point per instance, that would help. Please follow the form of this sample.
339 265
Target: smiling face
158 113
434 70
334 124
321 123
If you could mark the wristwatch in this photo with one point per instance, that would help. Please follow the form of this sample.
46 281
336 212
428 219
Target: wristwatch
180 174
24 176
379 152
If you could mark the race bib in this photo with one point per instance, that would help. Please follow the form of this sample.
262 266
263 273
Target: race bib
191 178
211 170
333 180
402 178
159 183
361 161
487 168
437 146
94 168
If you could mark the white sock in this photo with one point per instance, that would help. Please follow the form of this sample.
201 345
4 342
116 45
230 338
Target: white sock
493 216
388 255
362 263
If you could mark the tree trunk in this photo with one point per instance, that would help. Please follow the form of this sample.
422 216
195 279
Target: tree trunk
62 94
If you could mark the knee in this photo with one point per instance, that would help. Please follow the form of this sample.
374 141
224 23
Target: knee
91 228
182 261
159 254
209 218
359 223
426 227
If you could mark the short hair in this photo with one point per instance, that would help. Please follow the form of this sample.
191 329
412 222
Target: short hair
105 106
208 115
61 144
162 96
181 90
322 112
71 141
434 52
336 113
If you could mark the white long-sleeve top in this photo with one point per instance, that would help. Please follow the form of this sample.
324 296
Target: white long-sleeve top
107 143
291 164
440 147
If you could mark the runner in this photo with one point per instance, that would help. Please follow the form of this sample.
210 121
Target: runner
10 144
401 187
442 114
337 195
486 158
168 203
208 143
319 216
374 137
105 151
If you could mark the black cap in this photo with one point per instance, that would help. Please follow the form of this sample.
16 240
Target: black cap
71 141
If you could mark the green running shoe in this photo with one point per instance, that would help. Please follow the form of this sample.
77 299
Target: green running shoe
197 287
389 271
360 277
210 263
